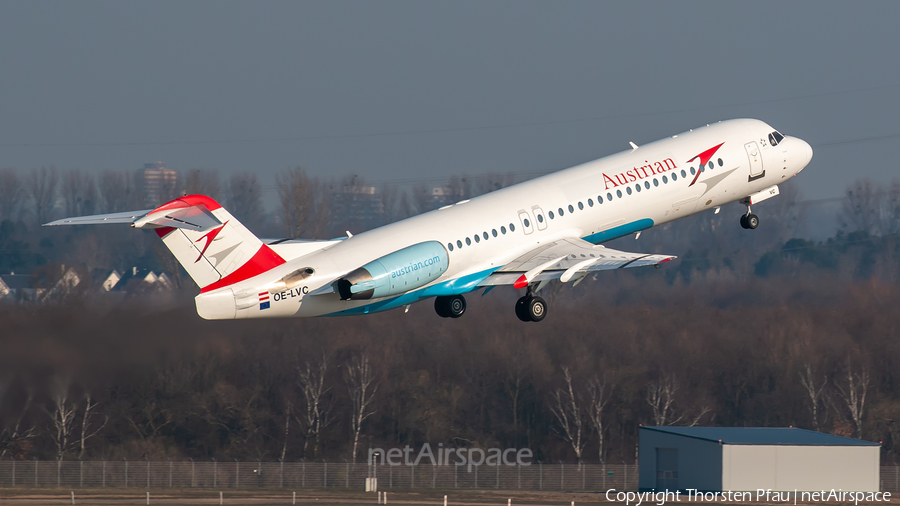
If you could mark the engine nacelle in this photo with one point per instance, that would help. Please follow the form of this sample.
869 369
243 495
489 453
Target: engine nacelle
396 273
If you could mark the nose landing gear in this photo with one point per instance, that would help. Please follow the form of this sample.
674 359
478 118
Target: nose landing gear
452 306
749 220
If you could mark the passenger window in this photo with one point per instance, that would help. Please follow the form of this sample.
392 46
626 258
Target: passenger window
710 164
580 206
637 187
477 239
571 209
561 213
550 214
655 182
590 203
512 227
503 230
450 246
683 174
619 193
526 223
494 232
647 184
540 219
674 177
459 244
628 190
609 196
692 171
665 181
468 241
721 163
485 236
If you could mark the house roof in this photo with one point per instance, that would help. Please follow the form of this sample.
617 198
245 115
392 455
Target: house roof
789 436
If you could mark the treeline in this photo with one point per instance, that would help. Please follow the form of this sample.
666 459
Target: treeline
128 380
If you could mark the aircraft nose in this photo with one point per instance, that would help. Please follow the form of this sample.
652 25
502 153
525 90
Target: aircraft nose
807 153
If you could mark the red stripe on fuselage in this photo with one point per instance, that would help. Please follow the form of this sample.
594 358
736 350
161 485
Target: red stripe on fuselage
264 260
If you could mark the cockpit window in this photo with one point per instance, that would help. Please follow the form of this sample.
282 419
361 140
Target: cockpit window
775 138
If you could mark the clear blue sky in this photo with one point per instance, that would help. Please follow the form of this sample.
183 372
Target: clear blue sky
415 90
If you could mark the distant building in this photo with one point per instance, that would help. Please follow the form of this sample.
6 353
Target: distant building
781 459
160 183
357 206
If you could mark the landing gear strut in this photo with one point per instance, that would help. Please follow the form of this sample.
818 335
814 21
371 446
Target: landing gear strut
452 306
749 220
531 308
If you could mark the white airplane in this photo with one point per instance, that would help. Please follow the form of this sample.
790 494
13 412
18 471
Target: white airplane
525 235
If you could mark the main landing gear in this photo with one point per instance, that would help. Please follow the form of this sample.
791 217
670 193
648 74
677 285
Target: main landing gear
749 220
531 308
452 306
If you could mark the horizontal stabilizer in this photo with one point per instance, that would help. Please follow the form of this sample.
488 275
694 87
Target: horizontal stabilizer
98 219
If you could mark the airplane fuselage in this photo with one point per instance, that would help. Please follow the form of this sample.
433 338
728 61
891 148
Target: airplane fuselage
597 201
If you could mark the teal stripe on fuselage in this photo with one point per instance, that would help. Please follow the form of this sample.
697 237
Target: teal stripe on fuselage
456 286
620 231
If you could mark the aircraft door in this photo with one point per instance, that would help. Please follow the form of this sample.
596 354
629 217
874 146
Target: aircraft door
756 162
525 218
539 217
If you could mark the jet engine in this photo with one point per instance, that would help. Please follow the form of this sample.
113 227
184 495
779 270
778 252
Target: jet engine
396 273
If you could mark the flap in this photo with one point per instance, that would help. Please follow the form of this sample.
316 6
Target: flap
567 258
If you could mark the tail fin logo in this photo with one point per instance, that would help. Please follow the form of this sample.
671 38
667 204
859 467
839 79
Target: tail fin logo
704 158
210 237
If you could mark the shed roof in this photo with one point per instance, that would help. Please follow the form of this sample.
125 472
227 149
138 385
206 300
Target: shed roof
790 436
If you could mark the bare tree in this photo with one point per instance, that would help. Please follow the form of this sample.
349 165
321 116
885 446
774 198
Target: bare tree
516 376
814 392
600 392
569 416
11 194
118 192
87 431
303 203
244 196
41 185
15 434
853 393
362 388
79 193
661 398
62 417
311 378
287 428
202 182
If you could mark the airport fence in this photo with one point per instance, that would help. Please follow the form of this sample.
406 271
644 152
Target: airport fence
299 475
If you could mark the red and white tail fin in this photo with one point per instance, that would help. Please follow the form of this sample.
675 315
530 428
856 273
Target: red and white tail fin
214 248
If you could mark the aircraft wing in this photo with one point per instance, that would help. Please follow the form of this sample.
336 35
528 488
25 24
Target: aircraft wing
567 259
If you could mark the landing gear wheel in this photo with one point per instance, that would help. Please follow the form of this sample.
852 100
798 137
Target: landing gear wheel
440 307
537 309
752 221
522 310
744 221
531 309
456 306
